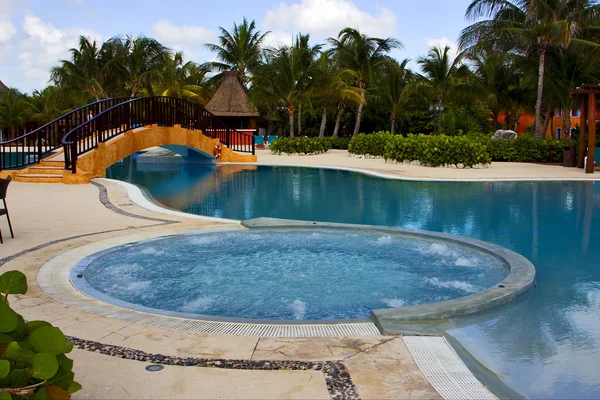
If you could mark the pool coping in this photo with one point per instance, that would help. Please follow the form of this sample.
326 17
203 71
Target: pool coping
520 280
388 174
56 278
53 279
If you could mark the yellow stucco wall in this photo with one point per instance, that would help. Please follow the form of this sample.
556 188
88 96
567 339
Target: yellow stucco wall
94 163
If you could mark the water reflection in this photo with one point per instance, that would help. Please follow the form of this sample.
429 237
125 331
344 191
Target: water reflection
545 346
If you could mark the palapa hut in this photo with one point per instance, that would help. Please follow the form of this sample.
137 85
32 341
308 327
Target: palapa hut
3 88
232 105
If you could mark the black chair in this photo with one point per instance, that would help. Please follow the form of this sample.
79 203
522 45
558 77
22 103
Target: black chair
4 211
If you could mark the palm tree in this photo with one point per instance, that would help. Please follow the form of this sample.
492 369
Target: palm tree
47 105
567 70
395 87
185 80
14 112
362 55
305 56
276 83
443 73
332 87
240 50
143 63
497 83
91 68
531 28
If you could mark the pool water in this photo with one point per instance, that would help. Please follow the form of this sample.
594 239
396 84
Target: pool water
546 345
291 274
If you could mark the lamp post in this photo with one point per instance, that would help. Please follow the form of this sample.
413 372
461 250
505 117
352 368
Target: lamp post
437 111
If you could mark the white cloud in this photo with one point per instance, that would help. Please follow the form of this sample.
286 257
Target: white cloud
442 42
278 39
43 45
7 30
324 18
165 32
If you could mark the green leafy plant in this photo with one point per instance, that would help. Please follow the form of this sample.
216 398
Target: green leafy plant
338 143
436 150
525 148
33 364
372 144
301 145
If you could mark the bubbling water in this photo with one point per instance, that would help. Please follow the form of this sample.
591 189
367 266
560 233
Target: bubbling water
290 274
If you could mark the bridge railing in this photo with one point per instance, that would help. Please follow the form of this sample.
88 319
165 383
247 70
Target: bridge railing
134 113
31 147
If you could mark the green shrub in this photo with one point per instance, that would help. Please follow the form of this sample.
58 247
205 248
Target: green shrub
525 149
436 150
372 144
32 354
300 145
337 143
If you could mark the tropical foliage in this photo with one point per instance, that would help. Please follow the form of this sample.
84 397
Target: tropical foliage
517 57
33 363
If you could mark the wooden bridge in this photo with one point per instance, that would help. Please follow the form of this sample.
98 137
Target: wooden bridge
80 145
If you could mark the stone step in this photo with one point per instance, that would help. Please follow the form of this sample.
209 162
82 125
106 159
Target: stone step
52 163
46 170
39 178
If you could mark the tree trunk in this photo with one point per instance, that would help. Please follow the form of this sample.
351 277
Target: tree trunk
566 132
393 118
323 123
495 116
300 119
549 116
540 90
338 120
359 114
291 113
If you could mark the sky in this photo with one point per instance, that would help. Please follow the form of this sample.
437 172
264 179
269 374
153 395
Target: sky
36 34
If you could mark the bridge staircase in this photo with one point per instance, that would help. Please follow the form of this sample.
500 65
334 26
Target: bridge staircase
80 145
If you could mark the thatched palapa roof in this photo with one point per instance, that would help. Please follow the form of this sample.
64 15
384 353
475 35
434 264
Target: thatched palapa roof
3 87
231 99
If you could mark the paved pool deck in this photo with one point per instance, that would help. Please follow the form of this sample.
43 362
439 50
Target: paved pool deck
110 360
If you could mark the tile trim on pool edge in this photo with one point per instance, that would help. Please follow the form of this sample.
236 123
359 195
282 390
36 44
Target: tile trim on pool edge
137 196
337 377
53 279
387 174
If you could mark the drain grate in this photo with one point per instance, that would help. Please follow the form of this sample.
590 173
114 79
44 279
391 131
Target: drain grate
53 279
444 369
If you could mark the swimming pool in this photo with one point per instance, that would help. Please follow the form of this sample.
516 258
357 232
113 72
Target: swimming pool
546 345
329 273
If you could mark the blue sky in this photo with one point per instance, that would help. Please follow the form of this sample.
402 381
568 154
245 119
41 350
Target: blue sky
35 34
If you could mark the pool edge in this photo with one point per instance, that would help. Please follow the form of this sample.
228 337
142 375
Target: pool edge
420 318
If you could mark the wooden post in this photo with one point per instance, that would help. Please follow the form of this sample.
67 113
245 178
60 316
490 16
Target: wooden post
582 130
591 133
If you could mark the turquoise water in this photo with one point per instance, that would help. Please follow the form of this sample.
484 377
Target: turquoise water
544 346
327 274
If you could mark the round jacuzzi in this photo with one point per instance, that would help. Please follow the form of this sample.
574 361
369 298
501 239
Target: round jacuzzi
292 272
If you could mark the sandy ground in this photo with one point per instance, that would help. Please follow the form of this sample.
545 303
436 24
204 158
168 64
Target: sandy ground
497 170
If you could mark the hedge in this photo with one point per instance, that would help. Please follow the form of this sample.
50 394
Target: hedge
338 143
300 145
525 149
370 145
437 150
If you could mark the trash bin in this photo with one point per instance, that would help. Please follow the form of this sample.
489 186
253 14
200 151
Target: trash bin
569 156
